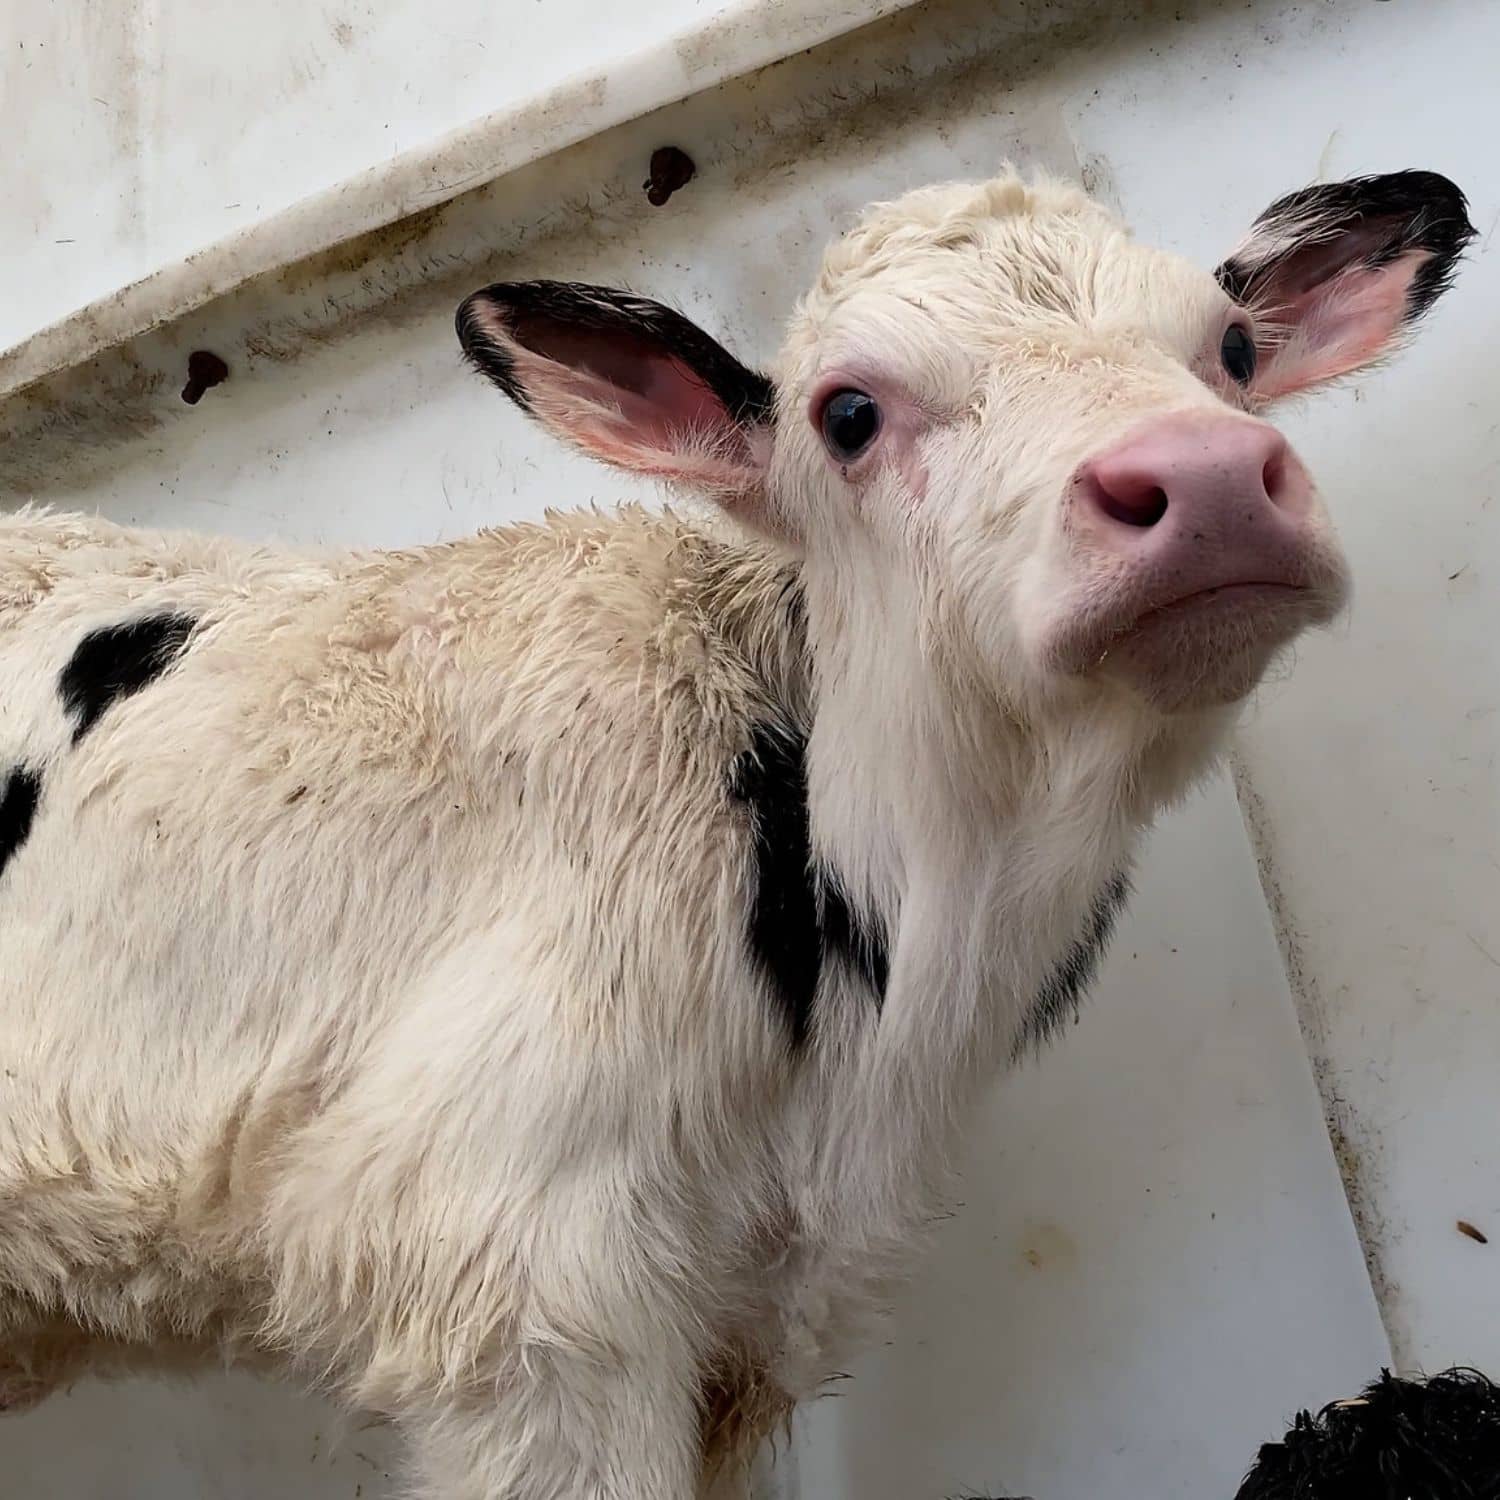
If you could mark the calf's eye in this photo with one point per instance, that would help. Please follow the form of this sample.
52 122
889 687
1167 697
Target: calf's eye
1237 352
851 420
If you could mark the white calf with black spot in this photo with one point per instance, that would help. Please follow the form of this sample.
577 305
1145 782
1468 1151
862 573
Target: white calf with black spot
533 983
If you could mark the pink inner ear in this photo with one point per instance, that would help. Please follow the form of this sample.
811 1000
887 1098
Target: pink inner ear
1337 325
624 397
656 393
670 426
669 400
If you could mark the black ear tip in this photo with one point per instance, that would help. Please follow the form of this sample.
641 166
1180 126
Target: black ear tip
474 322
1438 200
1439 224
1459 213
1435 185
1447 199
477 310
508 303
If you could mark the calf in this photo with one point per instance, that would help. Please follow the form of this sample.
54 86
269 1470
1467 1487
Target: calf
532 984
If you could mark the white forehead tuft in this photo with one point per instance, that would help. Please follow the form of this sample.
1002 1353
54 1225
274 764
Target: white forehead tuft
1009 245
948 216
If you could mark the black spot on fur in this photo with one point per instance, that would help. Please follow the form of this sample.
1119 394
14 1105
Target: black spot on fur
1063 990
1384 217
1436 1439
854 938
783 929
800 917
547 317
18 803
113 663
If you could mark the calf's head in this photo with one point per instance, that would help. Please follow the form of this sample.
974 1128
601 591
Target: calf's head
995 402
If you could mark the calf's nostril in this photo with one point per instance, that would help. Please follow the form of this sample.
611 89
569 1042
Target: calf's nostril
1143 509
1273 476
1133 503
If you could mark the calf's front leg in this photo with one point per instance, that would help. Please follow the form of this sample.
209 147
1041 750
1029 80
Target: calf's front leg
564 1421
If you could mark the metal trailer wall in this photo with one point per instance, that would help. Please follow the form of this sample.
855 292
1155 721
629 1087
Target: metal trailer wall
1156 1260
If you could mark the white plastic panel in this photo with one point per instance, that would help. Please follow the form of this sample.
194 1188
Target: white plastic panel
155 128
220 1437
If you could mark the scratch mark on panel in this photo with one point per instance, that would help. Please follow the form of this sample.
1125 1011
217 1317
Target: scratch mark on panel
1357 1144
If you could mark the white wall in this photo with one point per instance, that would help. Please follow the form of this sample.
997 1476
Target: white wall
153 128
1155 1262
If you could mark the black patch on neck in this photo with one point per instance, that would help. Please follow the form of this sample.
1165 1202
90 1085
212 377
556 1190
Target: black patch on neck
800 918
113 663
1063 989
18 802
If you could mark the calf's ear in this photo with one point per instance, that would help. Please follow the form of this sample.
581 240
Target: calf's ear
1337 275
627 381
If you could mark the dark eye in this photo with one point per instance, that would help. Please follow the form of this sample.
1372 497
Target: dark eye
1238 353
850 421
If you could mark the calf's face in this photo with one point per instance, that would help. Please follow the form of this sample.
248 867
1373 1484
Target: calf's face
994 401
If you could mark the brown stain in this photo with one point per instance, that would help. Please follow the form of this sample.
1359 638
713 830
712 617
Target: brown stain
354 255
717 48
1046 1246
66 422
